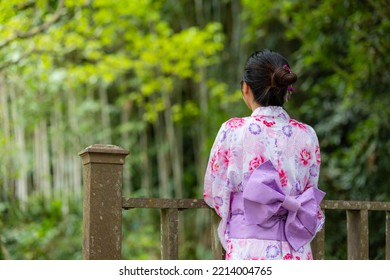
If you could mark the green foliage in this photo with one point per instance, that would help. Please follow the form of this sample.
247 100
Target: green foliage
82 72
340 51
46 232
341 57
43 232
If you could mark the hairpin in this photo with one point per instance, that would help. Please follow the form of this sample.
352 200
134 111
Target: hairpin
285 66
290 88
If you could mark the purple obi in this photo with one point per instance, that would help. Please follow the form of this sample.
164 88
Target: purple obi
264 211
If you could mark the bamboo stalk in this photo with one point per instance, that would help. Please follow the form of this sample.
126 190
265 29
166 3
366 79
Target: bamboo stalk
176 166
21 186
105 113
163 176
74 171
5 128
125 139
145 161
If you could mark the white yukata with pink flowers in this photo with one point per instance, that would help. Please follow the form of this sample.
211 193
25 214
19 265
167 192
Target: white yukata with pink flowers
242 145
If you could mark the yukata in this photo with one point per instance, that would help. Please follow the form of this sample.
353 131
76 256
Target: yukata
261 179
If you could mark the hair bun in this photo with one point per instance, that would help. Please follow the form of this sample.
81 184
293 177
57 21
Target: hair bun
283 77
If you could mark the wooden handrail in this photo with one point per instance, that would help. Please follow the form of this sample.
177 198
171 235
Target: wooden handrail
356 205
356 211
163 203
103 205
186 203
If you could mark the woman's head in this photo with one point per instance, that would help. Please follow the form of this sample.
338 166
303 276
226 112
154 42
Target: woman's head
269 77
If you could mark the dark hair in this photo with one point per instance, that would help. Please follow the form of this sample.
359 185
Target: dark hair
268 75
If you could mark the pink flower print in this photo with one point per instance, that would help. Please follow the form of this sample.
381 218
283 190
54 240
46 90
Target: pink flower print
229 250
297 124
216 207
226 155
318 155
287 256
259 118
214 165
319 214
309 256
307 186
297 257
235 122
255 162
283 177
305 157
269 124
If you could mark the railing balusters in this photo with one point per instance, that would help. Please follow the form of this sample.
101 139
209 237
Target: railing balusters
103 205
357 232
318 244
217 249
169 234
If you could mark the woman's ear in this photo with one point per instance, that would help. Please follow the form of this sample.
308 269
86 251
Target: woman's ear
246 91
247 94
244 88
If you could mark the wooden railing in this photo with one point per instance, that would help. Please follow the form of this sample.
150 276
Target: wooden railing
103 206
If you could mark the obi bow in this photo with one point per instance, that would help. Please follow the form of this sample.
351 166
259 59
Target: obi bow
264 200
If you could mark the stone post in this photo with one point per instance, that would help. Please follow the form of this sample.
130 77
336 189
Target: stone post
102 210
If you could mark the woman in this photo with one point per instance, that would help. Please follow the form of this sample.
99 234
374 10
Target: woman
263 171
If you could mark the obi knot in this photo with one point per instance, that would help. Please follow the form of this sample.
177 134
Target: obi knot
291 204
263 198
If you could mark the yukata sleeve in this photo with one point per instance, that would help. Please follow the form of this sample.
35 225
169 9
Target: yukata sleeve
314 173
222 175
216 192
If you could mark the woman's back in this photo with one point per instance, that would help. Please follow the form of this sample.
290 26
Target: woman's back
263 171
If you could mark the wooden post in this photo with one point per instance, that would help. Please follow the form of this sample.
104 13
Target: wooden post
102 212
357 228
318 244
216 247
169 234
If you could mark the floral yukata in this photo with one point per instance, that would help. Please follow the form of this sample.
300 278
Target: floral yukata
261 180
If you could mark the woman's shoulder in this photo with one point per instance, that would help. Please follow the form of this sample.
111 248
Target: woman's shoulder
235 123
233 129
305 130
301 125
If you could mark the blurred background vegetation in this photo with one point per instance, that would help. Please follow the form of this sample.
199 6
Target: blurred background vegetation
158 78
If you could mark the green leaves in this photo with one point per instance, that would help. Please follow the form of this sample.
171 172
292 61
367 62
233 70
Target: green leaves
340 57
339 49
159 77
